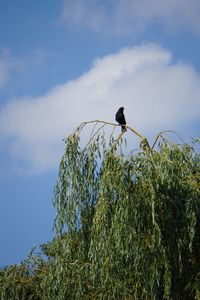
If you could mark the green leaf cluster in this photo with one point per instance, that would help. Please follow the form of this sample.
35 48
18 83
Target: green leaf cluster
127 226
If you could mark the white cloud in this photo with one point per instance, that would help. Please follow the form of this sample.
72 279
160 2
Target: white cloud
130 16
157 94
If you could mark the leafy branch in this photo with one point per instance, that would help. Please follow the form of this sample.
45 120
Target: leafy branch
143 144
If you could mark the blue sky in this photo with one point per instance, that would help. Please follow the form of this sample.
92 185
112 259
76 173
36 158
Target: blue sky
64 62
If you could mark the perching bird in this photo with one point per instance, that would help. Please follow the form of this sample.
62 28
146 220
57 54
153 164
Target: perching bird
119 117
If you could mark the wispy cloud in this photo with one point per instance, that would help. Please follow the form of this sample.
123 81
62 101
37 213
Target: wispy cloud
11 65
131 16
8 64
156 92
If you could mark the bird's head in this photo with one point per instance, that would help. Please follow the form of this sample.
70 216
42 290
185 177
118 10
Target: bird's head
121 108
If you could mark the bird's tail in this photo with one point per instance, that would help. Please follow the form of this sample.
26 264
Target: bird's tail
123 128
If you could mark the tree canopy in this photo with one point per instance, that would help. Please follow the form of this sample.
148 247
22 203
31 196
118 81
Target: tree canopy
127 223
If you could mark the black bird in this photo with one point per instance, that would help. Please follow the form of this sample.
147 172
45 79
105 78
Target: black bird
119 117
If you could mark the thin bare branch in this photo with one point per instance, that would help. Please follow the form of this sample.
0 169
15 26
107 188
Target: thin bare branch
166 131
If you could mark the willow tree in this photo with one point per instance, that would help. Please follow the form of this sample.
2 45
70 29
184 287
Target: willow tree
131 222
127 223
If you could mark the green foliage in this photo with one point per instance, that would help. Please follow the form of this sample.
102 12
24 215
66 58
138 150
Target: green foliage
127 226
